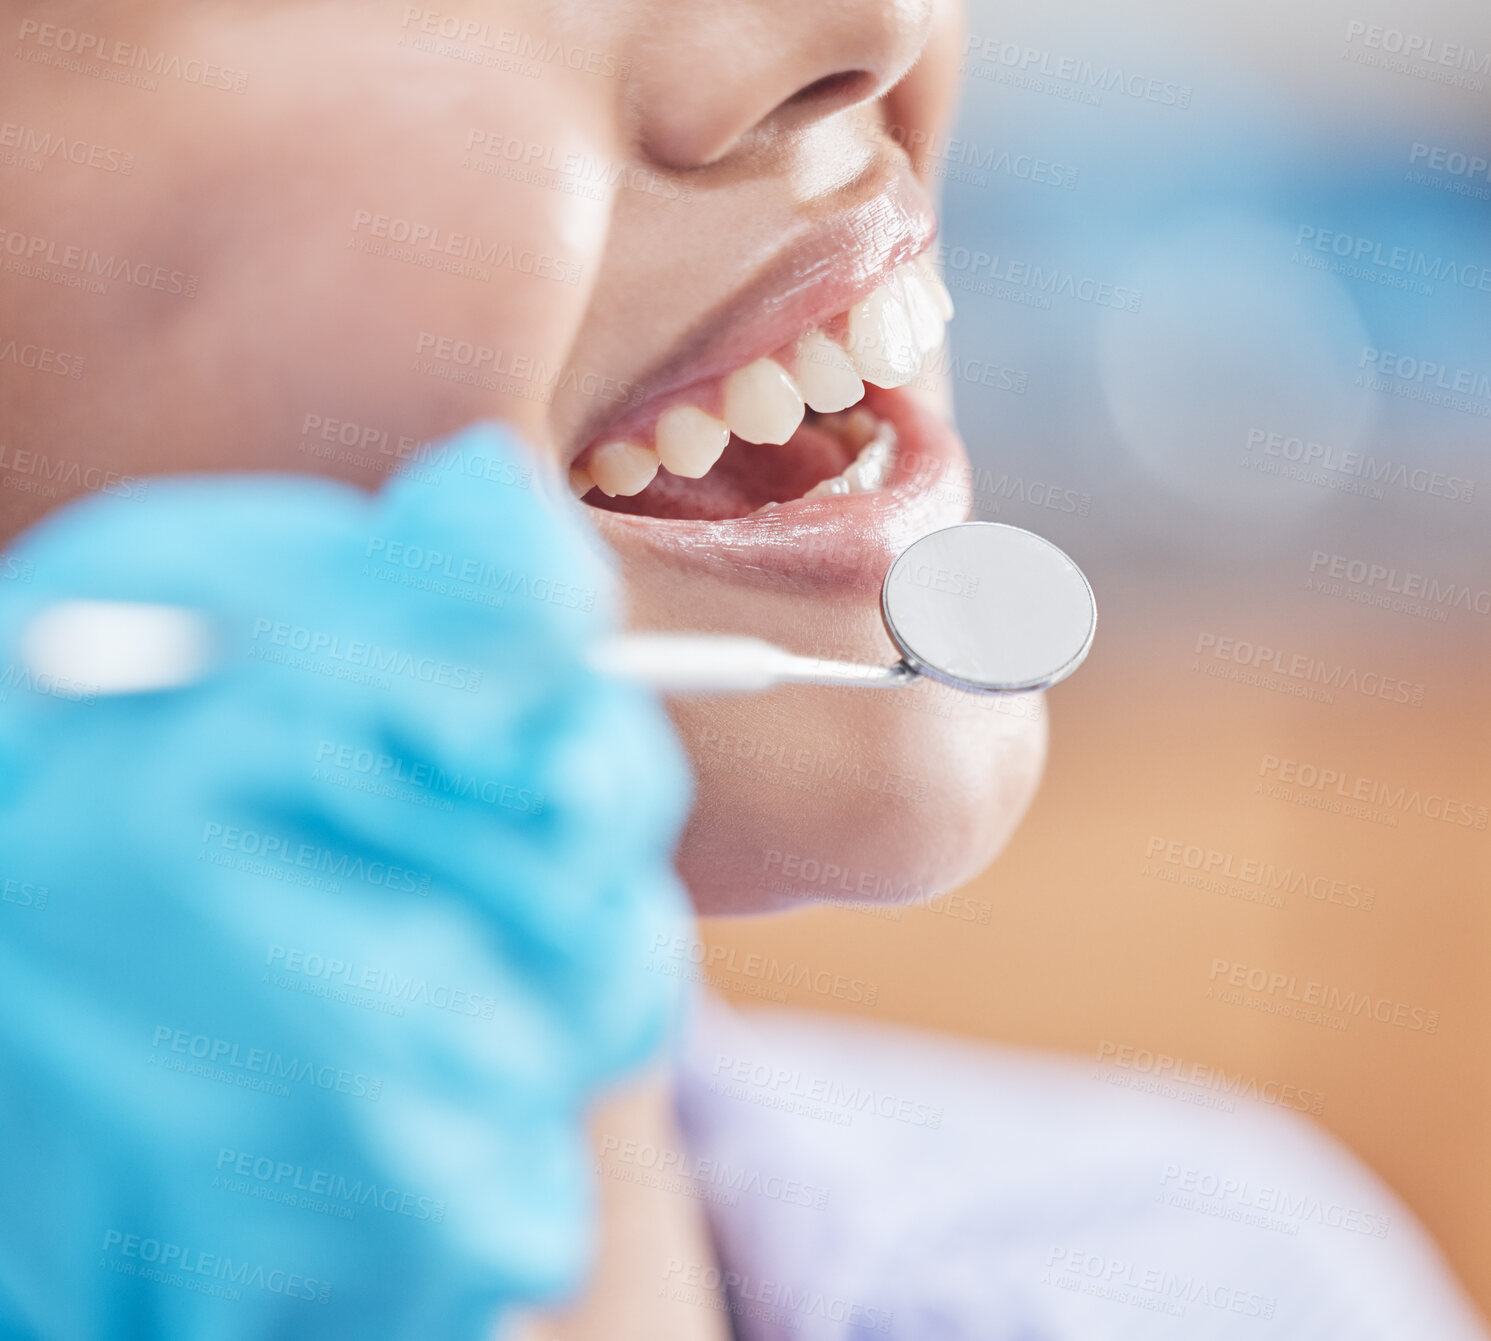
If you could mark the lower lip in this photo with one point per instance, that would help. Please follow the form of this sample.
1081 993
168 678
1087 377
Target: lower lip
843 543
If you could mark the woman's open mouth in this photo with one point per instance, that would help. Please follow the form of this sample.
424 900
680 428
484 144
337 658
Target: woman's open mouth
793 425
787 439
811 468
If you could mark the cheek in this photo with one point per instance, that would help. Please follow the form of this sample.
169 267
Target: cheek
428 272
372 268
811 794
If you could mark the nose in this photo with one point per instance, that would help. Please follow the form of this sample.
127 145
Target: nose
719 75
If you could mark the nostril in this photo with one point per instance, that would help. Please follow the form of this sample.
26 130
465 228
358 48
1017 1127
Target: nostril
830 86
843 89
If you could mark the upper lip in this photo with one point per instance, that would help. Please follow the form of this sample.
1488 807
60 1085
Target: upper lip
815 277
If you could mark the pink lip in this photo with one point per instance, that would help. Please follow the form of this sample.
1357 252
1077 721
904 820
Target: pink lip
820 276
843 544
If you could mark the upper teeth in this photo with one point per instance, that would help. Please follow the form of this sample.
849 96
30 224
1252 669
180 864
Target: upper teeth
688 441
826 374
888 338
762 402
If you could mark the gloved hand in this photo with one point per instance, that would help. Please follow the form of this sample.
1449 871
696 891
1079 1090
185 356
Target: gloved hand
308 970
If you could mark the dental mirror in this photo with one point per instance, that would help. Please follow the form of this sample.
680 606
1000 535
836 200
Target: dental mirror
989 608
981 606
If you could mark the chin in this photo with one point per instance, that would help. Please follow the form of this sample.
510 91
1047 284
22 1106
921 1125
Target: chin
870 796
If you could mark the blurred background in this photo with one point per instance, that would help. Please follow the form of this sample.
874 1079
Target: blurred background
1223 277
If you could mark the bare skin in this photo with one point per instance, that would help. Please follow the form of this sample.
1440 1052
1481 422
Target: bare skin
278 310
645 1232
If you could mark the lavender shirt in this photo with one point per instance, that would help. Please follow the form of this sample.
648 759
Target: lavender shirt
876 1183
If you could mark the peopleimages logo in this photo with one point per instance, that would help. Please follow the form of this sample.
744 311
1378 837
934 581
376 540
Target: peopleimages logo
983 55
355 659
379 981
780 1085
1259 872
1380 577
49 144
1373 791
1152 1287
391 775
278 1179
48 475
769 1301
1310 992
159 1257
467 361
23 893
683 1168
1311 669
41 358
259 1062
486 37
1429 373
1029 282
1423 47
965 160
464 254
120 61
469 576
88 268
1323 457
1162 1066
261 851
1405 261
716 960
1233 1198
1451 162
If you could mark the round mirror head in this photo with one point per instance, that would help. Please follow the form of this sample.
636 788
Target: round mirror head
989 608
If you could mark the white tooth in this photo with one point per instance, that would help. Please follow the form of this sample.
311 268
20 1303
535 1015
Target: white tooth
580 482
825 374
688 441
836 484
870 467
938 289
762 403
880 340
623 468
921 309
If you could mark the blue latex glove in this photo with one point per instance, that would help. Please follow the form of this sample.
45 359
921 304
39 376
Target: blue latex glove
307 971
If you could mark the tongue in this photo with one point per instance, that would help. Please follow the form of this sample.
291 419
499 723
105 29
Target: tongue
746 476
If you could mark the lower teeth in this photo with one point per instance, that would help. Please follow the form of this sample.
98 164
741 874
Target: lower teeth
872 440
868 470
